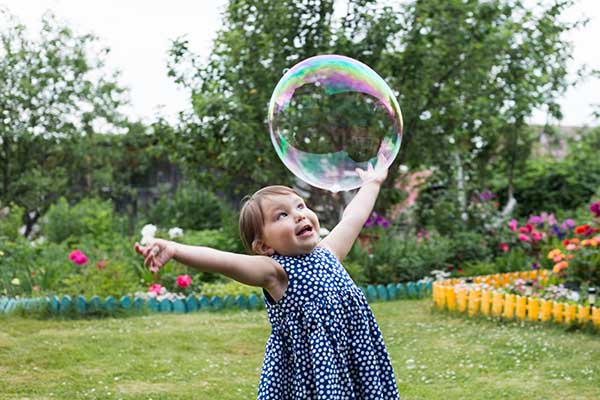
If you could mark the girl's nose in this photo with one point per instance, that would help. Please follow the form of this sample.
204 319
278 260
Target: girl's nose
299 217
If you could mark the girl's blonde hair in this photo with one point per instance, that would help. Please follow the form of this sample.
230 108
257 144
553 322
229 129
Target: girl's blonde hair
252 218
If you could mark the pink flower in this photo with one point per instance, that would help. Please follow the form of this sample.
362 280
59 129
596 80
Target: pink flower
595 209
536 236
504 247
513 225
183 281
156 288
524 238
78 257
528 228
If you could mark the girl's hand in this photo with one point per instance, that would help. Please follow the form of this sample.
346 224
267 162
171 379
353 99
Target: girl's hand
157 253
377 174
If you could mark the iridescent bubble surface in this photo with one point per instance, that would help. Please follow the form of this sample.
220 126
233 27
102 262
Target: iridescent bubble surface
330 115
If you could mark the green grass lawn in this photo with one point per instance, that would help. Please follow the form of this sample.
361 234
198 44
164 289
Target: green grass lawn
218 356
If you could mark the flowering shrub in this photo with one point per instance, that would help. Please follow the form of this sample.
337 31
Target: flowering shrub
548 291
577 259
376 220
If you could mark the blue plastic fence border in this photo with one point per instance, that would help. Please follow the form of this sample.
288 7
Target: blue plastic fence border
82 306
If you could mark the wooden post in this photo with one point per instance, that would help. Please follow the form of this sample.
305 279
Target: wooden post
546 310
450 297
533 309
382 293
570 313
461 300
509 306
486 301
474 300
191 304
557 312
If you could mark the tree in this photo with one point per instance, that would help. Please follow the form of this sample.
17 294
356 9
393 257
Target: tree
52 92
467 74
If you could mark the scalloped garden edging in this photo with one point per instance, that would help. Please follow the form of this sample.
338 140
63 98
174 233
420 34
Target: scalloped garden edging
81 306
453 295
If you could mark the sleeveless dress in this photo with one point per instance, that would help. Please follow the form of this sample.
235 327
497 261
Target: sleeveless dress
325 342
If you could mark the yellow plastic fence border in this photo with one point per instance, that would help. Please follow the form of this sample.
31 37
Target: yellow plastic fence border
509 306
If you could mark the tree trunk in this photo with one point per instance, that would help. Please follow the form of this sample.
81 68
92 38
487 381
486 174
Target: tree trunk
460 184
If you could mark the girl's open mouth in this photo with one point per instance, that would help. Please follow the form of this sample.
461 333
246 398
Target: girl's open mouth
306 230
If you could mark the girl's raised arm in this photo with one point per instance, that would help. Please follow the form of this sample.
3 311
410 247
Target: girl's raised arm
342 237
258 271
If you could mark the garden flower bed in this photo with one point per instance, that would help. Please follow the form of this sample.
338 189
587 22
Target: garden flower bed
522 296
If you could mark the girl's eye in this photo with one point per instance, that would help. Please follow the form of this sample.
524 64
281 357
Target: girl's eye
281 215
300 206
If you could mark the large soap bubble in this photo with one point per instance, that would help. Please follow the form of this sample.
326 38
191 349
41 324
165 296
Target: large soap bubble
330 115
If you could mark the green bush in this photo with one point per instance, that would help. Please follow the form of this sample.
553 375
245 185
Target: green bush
11 219
90 217
401 258
229 287
37 267
110 279
190 208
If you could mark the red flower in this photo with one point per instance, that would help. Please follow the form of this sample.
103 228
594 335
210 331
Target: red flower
183 281
156 288
585 230
504 247
78 257
528 228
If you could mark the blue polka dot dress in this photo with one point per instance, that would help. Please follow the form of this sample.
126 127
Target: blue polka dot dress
325 342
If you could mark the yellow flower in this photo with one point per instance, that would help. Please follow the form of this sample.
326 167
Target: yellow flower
16 282
1 253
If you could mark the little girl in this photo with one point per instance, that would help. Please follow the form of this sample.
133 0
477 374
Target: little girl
325 342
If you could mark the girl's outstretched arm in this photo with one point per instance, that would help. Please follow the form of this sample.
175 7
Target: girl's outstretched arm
342 237
258 271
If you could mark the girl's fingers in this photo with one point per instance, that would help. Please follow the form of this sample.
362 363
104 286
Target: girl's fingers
148 260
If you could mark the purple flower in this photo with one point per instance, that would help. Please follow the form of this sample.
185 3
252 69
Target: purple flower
486 195
595 208
536 220
369 223
558 232
535 265
567 224
552 220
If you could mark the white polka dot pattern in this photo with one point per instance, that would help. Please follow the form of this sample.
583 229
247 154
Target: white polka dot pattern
325 342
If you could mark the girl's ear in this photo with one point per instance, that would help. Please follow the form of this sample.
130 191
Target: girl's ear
261 248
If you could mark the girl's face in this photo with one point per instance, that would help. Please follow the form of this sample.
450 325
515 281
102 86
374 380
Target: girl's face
290 228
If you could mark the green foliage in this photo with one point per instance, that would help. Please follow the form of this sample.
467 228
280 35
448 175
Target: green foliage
489 63
112 279
11 219
395 258
191 207
229 287
90 217
54 90
38 267
477 268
